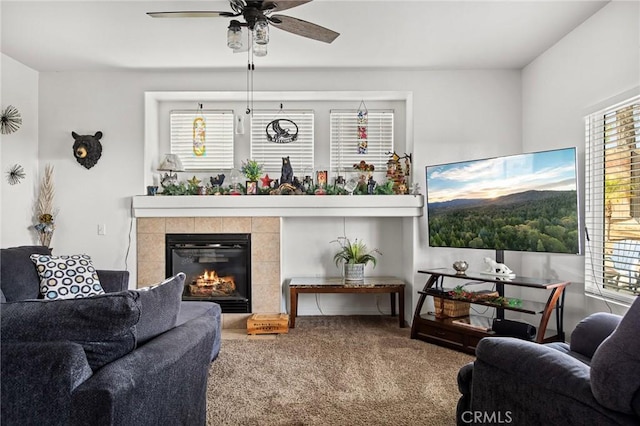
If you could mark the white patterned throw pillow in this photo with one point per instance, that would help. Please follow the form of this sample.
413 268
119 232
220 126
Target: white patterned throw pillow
67 277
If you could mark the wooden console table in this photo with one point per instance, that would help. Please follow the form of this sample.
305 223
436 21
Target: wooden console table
389 285
445 332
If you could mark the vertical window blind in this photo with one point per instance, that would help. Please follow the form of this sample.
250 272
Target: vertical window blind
218 139
344 139
612 201
270 154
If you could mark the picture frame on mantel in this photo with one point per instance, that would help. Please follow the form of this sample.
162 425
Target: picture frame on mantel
252 187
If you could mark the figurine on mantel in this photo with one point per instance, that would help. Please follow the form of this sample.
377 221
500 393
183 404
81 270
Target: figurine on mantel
217 181
399 175
287 171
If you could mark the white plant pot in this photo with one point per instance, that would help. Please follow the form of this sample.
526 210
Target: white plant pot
354 272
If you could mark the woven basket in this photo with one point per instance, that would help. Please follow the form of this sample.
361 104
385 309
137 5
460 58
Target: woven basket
447 308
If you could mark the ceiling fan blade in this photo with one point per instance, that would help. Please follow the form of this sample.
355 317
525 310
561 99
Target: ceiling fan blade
303 28
278 5
192 14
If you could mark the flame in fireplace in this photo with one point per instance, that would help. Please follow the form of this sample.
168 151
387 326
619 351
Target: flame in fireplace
210 284
210 276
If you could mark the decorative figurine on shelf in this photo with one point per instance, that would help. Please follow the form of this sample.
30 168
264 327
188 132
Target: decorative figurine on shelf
296 183
266 181
498 269
398 174
217 181
287 171
371 185
364 167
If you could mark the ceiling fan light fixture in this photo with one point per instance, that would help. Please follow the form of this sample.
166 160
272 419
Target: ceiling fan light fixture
261 32
234 35
259 50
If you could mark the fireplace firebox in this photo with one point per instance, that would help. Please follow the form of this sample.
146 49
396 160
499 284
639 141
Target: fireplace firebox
217 268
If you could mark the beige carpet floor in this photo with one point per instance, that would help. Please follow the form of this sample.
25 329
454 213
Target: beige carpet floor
345 370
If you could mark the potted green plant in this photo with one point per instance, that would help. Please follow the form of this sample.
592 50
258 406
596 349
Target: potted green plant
251 169
354 255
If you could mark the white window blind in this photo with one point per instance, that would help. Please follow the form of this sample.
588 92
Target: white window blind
344 139
612 201
269 154
218 139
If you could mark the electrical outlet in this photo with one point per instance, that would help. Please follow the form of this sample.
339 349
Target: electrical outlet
102 229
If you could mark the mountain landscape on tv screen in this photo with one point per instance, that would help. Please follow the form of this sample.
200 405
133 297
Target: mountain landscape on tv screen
538 221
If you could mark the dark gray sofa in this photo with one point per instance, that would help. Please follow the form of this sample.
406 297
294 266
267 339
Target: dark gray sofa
120 358
595 380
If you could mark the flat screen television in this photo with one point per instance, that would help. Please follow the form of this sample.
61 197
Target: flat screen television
526 202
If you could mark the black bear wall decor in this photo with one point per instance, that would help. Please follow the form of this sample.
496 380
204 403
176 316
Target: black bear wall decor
87 149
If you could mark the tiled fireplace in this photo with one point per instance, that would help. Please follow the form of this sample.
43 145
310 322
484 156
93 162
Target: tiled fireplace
265 254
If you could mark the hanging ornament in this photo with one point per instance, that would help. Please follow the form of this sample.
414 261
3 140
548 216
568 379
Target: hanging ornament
15 174
10 121
282 130
199 133
363 121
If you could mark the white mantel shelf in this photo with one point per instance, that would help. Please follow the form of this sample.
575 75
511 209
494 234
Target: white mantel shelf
279 205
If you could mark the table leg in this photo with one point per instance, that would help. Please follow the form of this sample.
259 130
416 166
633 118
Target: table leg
392 295
401 306
293 302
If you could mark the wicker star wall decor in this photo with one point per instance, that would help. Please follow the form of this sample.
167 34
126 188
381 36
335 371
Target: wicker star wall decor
15 174
10 120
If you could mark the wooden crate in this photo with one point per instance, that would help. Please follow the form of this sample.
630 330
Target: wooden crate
447 308
268 324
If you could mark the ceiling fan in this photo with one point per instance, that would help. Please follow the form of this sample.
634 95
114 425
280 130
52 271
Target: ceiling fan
257 15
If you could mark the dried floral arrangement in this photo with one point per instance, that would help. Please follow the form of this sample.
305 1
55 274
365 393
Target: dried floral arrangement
45 211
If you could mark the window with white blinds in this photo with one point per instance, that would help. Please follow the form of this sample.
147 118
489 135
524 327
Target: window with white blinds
344 139
269 154
218 143
612 201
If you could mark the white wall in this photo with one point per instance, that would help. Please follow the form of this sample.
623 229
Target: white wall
598 60
457 114
20 89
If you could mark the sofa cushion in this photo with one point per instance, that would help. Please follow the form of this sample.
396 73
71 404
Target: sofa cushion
67 277
18 276
104 325
615 366
160 305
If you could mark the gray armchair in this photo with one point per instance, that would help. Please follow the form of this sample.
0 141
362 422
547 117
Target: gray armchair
595 380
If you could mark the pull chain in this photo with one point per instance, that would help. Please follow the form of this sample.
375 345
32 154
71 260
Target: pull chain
250 69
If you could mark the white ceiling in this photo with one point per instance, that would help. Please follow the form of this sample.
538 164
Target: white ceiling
109 34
